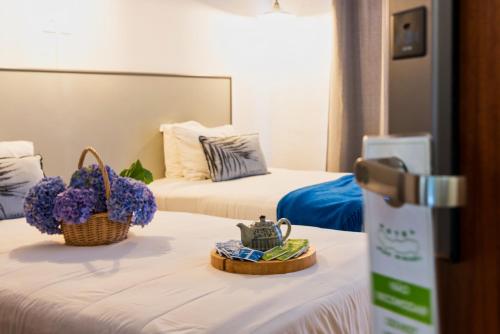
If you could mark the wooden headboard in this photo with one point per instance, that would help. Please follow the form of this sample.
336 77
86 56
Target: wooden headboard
118 113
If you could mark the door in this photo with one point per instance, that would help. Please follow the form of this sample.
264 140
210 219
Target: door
469 289
448 87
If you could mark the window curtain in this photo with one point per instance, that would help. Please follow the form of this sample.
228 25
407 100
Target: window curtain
357 82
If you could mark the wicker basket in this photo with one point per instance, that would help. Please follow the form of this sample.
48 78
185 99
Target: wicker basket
98 229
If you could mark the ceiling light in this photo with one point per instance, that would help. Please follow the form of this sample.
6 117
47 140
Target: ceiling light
276 10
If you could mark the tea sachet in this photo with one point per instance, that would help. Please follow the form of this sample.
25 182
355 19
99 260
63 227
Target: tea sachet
233 249
228 248
248 254
291 249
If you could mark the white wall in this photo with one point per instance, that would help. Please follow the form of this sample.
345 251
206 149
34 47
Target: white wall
280 67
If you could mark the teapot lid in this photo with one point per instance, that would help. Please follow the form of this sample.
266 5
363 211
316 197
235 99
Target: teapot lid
263 221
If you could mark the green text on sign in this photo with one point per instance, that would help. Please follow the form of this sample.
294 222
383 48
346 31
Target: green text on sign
403 298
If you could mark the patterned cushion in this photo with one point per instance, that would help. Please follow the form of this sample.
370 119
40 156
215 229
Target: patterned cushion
233 157
17 176
192 157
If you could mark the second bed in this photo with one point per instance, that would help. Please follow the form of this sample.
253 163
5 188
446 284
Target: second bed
245 198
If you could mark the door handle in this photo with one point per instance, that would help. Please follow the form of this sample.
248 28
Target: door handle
389 177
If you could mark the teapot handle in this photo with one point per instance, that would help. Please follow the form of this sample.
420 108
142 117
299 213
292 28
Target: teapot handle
289 229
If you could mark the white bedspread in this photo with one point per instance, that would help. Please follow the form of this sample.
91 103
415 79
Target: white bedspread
245 198
159 280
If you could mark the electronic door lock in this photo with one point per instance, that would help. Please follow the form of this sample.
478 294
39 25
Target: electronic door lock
389 177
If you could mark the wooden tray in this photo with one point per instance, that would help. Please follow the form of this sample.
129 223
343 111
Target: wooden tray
304 261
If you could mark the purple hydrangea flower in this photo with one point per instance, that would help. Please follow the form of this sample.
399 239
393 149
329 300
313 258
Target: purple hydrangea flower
91 178
130 198
39 204
75 206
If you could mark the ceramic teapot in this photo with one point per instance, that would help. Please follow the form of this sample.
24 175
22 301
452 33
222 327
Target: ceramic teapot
264 234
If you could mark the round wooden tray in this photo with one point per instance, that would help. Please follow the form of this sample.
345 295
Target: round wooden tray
304 261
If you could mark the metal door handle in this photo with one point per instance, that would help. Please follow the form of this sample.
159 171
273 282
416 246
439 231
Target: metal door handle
389 178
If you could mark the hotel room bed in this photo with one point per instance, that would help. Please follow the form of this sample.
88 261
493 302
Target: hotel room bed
245 198
159 280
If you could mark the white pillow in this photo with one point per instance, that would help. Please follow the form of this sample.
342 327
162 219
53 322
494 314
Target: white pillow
173 166
193 160
16 149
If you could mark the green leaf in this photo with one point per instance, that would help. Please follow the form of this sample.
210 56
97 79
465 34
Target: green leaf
137 172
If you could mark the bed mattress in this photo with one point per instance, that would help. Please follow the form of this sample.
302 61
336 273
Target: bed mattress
159 280
245 198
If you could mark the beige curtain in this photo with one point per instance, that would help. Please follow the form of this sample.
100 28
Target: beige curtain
355 100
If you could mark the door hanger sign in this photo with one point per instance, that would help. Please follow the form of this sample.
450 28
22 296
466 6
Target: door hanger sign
401 247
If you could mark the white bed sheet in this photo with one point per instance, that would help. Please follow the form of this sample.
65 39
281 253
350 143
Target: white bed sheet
245 198
159 280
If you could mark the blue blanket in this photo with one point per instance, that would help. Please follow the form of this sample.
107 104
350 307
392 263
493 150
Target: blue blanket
335 205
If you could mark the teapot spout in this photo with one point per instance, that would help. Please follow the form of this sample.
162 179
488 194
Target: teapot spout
246 233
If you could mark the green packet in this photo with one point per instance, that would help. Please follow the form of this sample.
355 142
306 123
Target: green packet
288 250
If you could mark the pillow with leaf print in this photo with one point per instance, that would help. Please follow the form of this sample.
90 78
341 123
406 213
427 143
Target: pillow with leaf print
17 176
194 164
233 157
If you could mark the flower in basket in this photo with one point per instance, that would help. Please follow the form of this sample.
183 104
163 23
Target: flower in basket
91 178
49 203
75 206
39 204
91 211
131 199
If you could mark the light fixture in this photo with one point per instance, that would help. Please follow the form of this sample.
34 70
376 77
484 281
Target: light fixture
276 10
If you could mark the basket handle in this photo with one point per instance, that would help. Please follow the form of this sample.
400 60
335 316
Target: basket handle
105 176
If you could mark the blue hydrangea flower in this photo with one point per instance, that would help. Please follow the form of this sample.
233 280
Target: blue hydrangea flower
130 198
75 206
91 178
39 205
